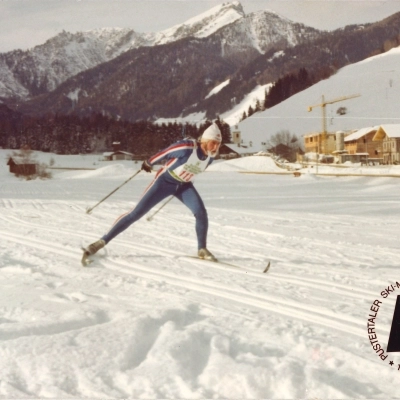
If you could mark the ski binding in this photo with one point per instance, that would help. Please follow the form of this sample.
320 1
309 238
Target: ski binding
229 264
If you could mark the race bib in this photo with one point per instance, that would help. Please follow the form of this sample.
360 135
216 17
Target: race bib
191 168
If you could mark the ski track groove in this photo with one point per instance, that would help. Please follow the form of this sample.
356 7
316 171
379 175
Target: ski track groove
264 302
50 328
311 283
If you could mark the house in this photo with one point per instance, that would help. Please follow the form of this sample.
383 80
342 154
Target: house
117 154
20 166
361 143
388 136
316 143
232 150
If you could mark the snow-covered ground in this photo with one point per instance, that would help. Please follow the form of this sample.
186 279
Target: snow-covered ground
144 321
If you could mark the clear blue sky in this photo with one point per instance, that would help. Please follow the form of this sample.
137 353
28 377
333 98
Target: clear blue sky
27 23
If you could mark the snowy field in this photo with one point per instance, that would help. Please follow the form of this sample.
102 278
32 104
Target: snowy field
143 321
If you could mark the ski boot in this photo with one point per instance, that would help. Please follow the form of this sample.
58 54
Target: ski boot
90 250
204 254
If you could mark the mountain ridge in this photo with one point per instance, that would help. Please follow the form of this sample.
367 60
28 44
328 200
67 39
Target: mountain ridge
174 79
26 74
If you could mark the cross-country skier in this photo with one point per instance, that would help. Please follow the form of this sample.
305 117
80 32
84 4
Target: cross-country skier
184 160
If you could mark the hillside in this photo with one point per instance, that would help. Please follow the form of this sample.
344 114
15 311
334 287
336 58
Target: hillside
377 79
320 57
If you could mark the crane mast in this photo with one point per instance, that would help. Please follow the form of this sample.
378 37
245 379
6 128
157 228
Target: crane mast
323 107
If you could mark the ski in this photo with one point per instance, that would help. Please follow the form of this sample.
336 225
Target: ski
85 258
264 271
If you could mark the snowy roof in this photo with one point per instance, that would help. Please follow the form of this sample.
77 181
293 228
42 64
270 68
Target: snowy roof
110 153
20 161
390 130
240 149
360 133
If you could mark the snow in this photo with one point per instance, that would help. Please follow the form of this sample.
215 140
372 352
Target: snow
234 116
277 54
143 321
246 164
218 88
231 117
74 96
204 24
392 130
194 118
360 133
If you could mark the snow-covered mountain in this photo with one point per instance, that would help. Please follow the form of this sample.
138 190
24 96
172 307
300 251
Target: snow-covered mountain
202 25
376 79
43 68
26 74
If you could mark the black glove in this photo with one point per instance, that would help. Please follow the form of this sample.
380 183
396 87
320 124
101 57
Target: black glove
146 167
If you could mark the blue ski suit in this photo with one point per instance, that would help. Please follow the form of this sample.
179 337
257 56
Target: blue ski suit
183 161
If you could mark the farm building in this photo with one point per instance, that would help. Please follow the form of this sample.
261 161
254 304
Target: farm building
19 166
117 154
231 150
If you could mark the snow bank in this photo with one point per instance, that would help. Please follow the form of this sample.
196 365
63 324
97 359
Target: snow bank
250 164
109 171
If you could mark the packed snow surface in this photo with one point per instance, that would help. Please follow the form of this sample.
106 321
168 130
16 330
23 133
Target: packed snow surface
253 163
144 321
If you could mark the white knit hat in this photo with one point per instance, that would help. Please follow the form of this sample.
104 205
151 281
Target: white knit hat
212 133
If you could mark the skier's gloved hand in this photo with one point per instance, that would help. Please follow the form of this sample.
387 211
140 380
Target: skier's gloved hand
146 167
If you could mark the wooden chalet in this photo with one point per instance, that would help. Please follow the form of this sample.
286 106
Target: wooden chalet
232 150
117 154
19 166
388 137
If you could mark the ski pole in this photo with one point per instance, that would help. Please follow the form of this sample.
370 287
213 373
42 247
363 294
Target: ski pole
152 216
89 210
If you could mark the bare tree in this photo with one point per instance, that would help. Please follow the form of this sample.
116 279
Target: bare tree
284 137
284 144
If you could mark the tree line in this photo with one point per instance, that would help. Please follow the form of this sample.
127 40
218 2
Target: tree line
282 89
71 134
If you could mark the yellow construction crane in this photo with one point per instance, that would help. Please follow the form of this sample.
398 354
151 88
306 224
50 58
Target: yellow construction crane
323 106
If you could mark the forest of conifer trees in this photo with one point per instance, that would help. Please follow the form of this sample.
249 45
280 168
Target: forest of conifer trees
70 134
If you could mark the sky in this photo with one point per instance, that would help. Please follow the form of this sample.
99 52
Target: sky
27 23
